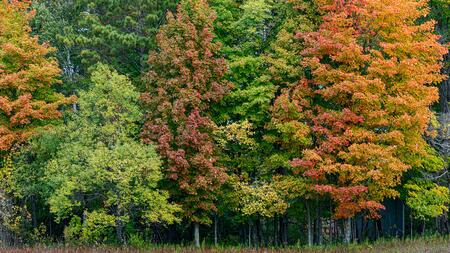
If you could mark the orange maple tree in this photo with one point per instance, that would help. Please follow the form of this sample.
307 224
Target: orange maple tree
26 77
366 99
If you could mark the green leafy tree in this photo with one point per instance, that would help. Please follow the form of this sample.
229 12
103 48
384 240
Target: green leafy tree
263 52
101 173
427 199
423 187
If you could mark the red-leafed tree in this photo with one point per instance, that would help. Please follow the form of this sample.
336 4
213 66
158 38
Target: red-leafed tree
27 100
185 79
366 100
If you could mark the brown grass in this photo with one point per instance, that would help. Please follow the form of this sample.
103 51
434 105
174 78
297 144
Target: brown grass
422 245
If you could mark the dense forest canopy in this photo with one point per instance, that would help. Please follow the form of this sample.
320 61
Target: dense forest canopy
254 122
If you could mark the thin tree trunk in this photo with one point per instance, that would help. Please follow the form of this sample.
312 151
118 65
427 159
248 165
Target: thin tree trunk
284 229
242 234
216 220
330 231
119 223
74 105
377 230
363 229
337 230
444 91
347 230
436 220
119 231
50 227
445 223
255 234
310 231
275 231
319 226
403 220
249 234
197 234
33 207
3 241
265 241
411 225
260 233
380 225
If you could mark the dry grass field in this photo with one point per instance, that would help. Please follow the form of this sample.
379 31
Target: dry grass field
420 245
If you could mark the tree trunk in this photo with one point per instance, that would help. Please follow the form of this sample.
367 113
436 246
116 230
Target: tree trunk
275 231
347 230
259 226
74 105
119 231
444 90
318 225
242 234
380 228
250 234
216 220
119 222
50 228
265 238
255 234
445 223
284 229
33 208
331 225
197 234
423 227
363 231
411 225
319 231
436 221
2 237
403 220
330 231
310 230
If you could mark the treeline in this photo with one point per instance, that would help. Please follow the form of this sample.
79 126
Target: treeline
254 122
